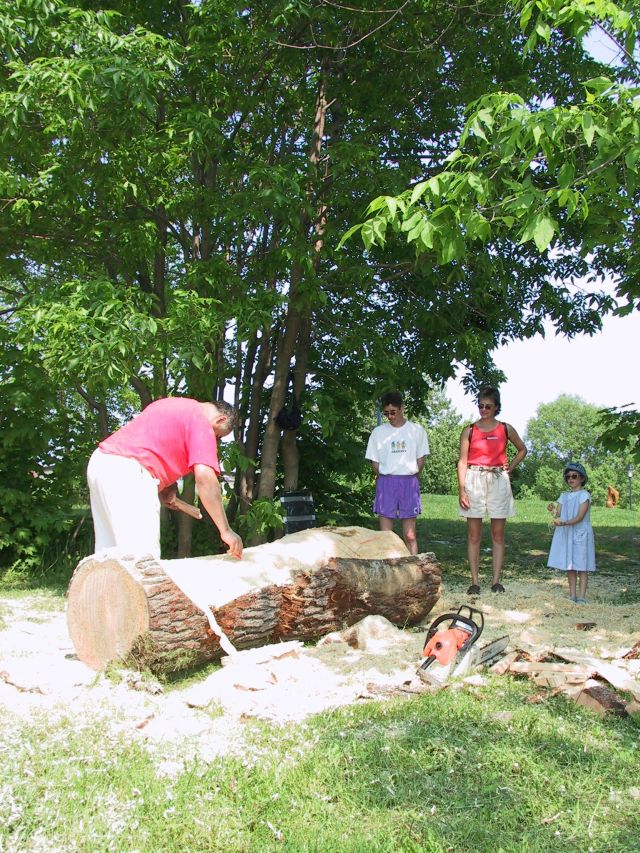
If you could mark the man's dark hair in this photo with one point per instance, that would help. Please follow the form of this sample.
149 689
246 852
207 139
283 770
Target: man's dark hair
228 411
391 398
488 392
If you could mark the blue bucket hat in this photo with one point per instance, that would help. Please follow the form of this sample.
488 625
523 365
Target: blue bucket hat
575 466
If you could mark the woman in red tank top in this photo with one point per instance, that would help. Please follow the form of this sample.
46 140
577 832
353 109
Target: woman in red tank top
484 484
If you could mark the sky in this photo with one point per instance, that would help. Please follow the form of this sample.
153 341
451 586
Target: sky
603 370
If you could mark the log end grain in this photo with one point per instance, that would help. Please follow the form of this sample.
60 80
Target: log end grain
107 611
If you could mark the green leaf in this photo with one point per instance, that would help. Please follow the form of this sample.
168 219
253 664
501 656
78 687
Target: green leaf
427 234
598 85
451 247
588 127
543 30
541 228
418 191
377 204
349 234
525 15
392 205
566 175
412 221
477 226
476 183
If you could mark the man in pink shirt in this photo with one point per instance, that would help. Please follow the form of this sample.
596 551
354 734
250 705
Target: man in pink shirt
135 470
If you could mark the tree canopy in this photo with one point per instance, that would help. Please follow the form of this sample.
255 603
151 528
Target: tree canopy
175 179
559 172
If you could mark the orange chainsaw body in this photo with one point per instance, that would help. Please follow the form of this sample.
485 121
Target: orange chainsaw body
445 645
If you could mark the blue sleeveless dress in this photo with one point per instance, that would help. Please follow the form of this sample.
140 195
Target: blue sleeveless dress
573 548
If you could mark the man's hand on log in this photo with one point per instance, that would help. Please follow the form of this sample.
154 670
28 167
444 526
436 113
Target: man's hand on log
169 498
234 542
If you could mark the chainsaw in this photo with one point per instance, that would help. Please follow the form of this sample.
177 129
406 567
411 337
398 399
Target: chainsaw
451 651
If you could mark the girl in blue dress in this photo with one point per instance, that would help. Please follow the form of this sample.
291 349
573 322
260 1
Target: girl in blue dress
573 547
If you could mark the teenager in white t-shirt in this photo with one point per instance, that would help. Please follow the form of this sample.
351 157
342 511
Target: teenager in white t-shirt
397 451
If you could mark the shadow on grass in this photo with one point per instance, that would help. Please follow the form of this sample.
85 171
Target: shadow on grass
53 577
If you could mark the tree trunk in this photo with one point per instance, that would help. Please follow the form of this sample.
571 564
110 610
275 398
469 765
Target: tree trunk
271 440
300 587
185 522
99 408
289 449
297 320
263 365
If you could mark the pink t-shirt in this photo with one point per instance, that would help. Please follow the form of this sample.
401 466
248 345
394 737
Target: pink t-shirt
167 438
488 448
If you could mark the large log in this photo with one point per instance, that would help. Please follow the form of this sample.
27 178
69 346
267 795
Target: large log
154 612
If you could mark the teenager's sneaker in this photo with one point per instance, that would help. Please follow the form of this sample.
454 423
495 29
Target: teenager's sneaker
497 587
474 589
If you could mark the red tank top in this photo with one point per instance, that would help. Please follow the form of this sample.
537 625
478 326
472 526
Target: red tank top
488 448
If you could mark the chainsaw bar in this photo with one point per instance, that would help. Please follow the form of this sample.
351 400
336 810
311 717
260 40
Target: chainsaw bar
494 649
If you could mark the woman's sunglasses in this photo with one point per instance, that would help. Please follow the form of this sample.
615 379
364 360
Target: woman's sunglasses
572 476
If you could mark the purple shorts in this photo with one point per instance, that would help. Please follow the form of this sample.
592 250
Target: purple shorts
397 496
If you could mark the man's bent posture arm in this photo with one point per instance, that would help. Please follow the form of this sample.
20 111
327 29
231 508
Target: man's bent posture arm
210 494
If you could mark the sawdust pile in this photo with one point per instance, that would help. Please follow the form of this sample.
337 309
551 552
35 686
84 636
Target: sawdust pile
39 671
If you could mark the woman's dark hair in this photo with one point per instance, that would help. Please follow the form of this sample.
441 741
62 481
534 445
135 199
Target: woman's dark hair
487 392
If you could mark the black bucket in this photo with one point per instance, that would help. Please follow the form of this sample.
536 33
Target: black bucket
299 511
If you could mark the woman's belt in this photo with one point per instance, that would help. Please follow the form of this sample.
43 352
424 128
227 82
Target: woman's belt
495 469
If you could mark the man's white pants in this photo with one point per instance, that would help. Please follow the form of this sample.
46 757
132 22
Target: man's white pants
124 505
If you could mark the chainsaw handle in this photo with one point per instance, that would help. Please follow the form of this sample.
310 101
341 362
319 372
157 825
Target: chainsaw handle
458 619
476 616
434 625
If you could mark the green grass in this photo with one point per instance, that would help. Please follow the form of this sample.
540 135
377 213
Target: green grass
479 770
461 771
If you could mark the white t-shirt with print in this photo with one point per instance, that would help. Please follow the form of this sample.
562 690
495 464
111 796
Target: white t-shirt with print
397 449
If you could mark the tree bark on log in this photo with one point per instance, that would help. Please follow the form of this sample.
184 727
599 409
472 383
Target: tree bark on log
131 609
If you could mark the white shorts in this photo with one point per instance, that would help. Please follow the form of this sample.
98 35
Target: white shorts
124 505
489 493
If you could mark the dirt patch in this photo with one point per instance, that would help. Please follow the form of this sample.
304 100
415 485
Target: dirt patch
39 671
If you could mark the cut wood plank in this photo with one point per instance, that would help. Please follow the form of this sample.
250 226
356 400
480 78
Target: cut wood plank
598 698
538 667
503 665
537 643
264 654
615 675
633 653
555 680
